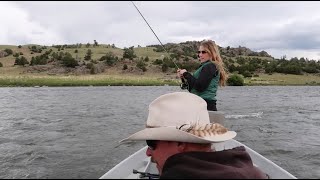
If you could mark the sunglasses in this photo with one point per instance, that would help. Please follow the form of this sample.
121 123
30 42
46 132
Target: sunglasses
203 52
152 144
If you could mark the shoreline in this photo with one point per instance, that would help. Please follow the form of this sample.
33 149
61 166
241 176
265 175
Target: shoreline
86 80
38 80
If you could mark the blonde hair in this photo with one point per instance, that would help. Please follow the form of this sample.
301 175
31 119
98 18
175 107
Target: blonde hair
213 51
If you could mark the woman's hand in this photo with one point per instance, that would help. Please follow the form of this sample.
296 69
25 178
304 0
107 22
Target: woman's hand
180 72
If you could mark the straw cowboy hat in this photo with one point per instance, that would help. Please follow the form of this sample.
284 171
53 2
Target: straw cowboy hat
182 117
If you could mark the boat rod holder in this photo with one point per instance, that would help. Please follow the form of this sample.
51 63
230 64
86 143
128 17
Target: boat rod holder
144 174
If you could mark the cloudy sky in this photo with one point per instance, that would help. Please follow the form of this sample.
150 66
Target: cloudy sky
280 28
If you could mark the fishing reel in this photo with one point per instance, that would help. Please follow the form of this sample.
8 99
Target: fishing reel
184 85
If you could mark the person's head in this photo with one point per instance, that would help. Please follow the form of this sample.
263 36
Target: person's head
179 122
208 50
160 151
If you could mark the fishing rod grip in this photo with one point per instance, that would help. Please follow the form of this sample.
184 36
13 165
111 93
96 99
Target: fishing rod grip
184 84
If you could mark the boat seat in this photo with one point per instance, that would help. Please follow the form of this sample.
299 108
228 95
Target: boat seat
217 117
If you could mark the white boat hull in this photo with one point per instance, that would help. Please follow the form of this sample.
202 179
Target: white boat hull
139 161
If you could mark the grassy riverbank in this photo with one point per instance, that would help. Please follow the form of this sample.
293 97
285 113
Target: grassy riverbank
283 80
84 80
16 76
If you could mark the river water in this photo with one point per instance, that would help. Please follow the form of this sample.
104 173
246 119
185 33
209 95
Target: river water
73 132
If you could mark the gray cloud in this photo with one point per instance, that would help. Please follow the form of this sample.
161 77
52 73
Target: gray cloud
276 27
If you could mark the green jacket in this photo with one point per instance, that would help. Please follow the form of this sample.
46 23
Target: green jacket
210 92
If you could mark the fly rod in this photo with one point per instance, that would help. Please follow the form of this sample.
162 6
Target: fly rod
184 84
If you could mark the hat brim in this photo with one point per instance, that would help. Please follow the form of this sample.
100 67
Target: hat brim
173 134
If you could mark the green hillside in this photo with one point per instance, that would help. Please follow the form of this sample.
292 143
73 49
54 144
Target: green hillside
106 64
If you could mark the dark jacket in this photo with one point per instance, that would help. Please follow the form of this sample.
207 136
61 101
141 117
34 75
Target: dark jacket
227 164
201 82
204 83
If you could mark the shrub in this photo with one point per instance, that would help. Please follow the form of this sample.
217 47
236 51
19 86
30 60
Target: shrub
157 62
89 65
142 65
39 60
8 51
110 59
88 55
235 80
144 69
69 61
16 55
125 67
129 53
246 74
190 65
93 70
164 67
21 61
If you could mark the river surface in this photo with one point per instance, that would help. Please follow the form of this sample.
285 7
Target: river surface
73 132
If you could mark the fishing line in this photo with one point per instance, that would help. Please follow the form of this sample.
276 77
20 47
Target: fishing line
184 84
153 32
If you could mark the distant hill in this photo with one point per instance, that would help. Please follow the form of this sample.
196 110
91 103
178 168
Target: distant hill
97 58
190 48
